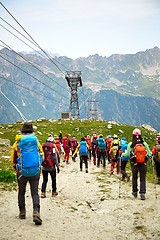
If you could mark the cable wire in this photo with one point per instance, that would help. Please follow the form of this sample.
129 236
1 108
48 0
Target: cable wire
31 38
26 39
32 64
34 77
6 79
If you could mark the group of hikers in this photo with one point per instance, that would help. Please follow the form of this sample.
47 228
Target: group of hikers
29 157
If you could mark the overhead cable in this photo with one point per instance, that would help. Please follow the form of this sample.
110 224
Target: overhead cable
6 79
34 77
26 39
31 38
32 64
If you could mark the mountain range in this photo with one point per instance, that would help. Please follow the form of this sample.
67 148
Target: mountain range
127 87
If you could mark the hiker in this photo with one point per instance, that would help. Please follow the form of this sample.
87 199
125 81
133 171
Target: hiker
94 145
114 153
60 137
88 140
138 150
101 150
25 155
108 142
83 152
66 147
49 165
94 136
156 154
74 145
124 160
58 145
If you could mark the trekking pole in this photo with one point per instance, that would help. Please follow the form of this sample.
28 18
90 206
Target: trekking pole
154 178
120 177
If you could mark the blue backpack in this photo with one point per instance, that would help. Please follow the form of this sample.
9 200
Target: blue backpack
83 148
101 143
124 146
29 161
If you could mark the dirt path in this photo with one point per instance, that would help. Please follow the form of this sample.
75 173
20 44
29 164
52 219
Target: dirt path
87 207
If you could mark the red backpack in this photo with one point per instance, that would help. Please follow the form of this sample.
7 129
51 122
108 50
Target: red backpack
73 144
48 154
65 143
109 141
140 152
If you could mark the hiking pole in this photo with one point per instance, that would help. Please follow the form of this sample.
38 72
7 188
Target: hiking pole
120 177
154 178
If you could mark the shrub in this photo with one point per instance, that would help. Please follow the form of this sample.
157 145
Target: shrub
6 176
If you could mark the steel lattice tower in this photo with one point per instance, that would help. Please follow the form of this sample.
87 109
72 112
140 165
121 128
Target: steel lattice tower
74 81
92 109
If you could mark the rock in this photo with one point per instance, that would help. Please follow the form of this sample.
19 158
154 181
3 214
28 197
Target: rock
121 131
20 121
39 133
40 119
148 127
113 122
34 128
5 142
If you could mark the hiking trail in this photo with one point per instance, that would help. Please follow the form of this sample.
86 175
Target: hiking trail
87 207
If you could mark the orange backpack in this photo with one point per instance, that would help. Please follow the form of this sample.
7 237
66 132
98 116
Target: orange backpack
140 152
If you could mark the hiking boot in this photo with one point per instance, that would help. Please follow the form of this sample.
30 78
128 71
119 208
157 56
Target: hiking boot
112 173
43 195
128 178
134 194
54 194
64 160
86 170
123 179
36 218
22 215
142 196
81 169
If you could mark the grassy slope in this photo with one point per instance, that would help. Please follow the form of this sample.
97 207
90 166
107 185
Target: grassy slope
79 128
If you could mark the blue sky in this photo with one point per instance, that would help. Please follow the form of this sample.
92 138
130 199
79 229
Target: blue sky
79 28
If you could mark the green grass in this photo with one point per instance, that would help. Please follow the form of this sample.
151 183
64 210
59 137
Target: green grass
79 128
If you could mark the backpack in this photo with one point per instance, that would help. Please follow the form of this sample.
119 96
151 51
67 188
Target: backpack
83 148
94 144
73 144
88 140
140 152
29 160
57 142
109 141
115 147
101 143
158 152
49 156
124 148
65 142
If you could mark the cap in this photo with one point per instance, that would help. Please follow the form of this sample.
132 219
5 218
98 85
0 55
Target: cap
136 132
50 139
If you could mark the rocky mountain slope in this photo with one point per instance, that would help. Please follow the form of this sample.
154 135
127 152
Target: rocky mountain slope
126 86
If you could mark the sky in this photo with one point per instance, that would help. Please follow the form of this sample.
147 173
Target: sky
79 28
